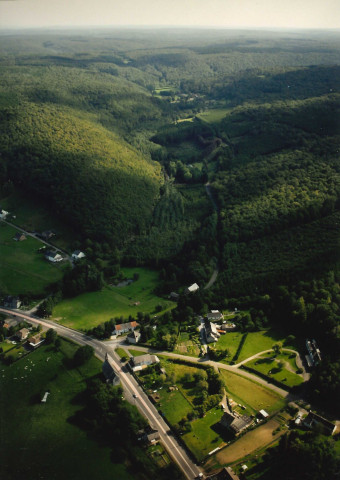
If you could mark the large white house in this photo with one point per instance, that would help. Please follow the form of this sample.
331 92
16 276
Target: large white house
143 361
125 327
192 289
53 256
77 255
3 214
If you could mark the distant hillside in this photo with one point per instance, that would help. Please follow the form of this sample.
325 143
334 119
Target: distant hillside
92 177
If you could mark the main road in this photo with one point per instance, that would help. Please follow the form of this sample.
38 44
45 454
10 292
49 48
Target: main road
133 391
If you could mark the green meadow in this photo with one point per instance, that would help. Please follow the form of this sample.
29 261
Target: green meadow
23 269
37 439
90 309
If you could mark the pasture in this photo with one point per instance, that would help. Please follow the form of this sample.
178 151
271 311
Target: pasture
37 439
24 270
90 309
214 115
257 342
250 394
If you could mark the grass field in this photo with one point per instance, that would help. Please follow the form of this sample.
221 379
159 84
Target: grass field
259 341
173 405
135 353
250 394
248 443
214 115
231 341
203 438
90 309
287 375
33 215
37 441
23 269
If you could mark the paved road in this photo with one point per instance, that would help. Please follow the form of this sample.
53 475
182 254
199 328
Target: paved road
130 386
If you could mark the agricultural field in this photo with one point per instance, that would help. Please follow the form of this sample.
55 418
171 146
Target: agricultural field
214 115
248 443
41 442
90 309
204 436
24 270
269 366
250 394
35 216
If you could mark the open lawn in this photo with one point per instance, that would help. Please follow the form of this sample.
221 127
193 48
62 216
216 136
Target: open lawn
24 270
248 443
37 440
33 215
257 342
90 309
214 115
204 438
250 394
173 405
134 353
231 341
268 366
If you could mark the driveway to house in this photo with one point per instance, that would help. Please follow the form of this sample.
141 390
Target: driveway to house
34 235
132 390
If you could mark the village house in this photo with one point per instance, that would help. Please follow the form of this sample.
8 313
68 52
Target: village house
12 302
22 334
235 423
125 327
109 372
142 361
214 315
53 256
35 341
173 296
315 421
211 332
133 337
3 214
19 237
47 235
192 289
314 355
77 255
228 327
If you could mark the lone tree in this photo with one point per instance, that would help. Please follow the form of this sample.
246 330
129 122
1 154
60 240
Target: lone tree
51 336
277 348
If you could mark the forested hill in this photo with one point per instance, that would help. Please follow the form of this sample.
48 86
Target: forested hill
93 178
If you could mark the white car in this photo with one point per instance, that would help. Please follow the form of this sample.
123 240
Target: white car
135 395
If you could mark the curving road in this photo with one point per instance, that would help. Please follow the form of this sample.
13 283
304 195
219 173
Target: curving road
131 388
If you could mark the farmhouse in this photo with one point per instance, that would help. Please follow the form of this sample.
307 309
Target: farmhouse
192 289
19 237
214 315
234 423
3 214
125 327
211 332
53 256
314 420
22 334
35 341
77 255
133 337
12 302
314 355
47 235
143 361
109 372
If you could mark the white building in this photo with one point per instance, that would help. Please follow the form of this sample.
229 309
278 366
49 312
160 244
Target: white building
53 256
77 255
192 289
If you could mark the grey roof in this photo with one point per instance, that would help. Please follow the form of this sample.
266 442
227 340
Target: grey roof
236 424
108 370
